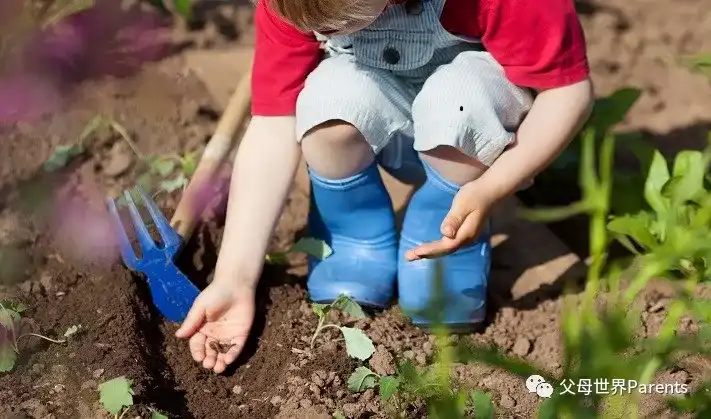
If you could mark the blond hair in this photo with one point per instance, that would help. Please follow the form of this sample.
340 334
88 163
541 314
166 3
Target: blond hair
323 15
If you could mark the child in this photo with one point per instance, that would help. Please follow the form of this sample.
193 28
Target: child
472 97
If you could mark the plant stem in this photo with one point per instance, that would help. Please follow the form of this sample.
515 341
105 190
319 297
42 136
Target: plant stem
124 134
41 337
320 328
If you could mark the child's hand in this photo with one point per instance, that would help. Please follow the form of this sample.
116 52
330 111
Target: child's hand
461 226
218 324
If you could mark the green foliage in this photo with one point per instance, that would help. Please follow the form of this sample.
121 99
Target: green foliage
182 8
313 247
701 63
362 379
358 344
675 222
115 395
483 406
64 154
12 327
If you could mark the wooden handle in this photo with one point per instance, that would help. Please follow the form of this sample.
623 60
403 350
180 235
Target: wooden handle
191 204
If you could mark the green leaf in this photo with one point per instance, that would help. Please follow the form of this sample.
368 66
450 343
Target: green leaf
8 356
157 415
358 344
162 167
172 185
348 306
361 379
184 8
116 394
16 306
312 247
61 156
189 164
9 319
388 386
320 309
635 226
688 172
483 406
613 109
657 177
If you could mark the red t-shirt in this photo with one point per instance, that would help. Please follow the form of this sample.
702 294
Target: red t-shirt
540 45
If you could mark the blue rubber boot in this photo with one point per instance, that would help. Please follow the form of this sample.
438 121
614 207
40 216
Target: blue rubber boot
464 273
355 217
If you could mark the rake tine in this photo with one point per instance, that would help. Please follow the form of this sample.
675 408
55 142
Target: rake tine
144 236
169 236
129 256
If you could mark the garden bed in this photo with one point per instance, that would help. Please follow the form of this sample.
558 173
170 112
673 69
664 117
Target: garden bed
166 109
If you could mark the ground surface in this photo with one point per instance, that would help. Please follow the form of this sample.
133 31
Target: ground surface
167 109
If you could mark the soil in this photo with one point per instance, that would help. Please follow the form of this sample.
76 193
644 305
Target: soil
58 258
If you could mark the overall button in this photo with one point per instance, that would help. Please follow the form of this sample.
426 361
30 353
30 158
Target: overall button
391 55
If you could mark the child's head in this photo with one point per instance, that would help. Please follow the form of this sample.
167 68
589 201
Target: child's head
329 17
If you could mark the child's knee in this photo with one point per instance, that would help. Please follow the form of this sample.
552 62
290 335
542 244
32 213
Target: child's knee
334 133
471 106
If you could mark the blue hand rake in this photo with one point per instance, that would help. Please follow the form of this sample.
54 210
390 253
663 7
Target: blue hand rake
172 292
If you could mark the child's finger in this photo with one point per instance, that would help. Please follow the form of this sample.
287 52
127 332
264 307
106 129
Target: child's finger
210 354
197 346
192 322
451 224
220 364
232 354
432 249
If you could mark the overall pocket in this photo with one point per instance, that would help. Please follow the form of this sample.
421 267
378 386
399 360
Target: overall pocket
392 49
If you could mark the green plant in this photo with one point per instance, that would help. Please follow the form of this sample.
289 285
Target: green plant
701 63
358 344
431 384
312 247
11 331
182 8
599 342
63 154
116 396
676 212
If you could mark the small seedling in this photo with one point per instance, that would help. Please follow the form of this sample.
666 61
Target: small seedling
116 396
358 344
309 245
362 379
11 326
64 154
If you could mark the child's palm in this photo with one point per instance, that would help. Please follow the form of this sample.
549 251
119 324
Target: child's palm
220 321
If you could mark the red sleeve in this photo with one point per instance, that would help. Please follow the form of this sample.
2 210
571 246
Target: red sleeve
540 44
283 57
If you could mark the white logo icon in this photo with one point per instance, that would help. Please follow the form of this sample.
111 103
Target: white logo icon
537 384
544 390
